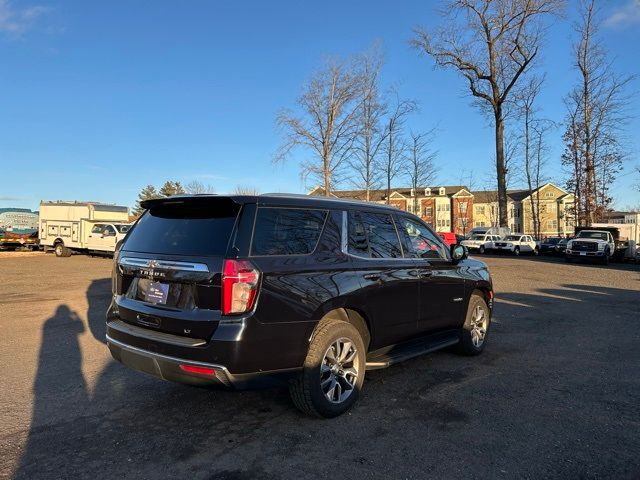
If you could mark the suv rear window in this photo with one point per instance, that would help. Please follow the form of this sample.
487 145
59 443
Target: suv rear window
199 230
287 231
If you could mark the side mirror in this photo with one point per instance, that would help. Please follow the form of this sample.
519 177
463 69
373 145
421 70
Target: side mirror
458 252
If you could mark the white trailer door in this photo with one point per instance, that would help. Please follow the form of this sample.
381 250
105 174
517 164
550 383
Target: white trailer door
102 237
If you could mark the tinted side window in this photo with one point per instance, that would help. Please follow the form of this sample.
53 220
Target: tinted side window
358 243
421 241
382 235
286 231
97 228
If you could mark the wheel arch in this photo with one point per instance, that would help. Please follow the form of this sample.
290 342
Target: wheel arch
348 315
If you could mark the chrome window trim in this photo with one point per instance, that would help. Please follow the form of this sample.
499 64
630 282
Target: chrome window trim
164 264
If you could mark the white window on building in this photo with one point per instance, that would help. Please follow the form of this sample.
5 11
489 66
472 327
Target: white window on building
462 207
427 192
442 191
478 224
428 211
443 207
552 224
480 211
548 195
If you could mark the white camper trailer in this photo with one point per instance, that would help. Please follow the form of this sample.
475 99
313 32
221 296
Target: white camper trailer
65 227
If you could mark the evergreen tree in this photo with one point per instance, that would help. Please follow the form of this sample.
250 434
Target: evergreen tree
171 188
147 193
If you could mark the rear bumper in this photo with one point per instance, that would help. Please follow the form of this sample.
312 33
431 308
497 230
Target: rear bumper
177 369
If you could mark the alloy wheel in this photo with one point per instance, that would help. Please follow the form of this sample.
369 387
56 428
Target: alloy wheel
339 370
479 324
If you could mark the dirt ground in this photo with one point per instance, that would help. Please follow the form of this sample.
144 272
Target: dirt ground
555 394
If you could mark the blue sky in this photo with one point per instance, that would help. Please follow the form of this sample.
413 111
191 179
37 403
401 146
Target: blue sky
98 99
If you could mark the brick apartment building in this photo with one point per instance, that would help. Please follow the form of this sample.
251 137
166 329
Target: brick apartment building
454 208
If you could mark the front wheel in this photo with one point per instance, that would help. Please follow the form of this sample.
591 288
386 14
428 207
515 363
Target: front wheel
536 251
333 372
516 251
476 326
482 249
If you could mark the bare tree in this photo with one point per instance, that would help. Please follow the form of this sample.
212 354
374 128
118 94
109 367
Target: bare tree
196 187
246 190
327 126
420 163
371 134
596 116
533 145
491 43
572 158
394 147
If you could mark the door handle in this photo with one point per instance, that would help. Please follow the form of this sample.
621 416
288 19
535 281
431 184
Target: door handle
425 273
372 276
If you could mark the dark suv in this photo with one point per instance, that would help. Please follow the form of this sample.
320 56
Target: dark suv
243 291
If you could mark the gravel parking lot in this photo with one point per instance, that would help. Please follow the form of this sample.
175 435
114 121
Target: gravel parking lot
555 395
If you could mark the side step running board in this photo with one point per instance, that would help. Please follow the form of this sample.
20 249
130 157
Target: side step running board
398 353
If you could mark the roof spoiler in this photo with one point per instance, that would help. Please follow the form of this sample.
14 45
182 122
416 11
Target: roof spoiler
209 200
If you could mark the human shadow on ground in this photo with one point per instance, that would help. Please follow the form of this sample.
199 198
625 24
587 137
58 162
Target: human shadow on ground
135 425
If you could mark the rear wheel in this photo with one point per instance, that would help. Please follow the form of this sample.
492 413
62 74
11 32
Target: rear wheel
476 326
61 250
333 371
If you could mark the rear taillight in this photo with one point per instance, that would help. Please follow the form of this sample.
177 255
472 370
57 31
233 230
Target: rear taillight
239 286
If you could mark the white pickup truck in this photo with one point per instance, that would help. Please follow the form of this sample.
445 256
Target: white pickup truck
517 243
591 244
481 242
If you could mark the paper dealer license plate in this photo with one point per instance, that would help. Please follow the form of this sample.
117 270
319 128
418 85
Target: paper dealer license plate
157 292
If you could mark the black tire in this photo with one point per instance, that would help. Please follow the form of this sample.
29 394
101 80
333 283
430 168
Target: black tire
306 390
536 251
516 251
568 260
61 251
466 346
482 249
605 259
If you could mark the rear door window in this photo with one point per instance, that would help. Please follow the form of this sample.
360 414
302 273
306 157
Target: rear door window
287 231
373 235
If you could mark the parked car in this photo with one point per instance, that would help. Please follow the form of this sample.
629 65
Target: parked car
481 242
517 243
548 245
307 292
591 245
449 238
561 246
